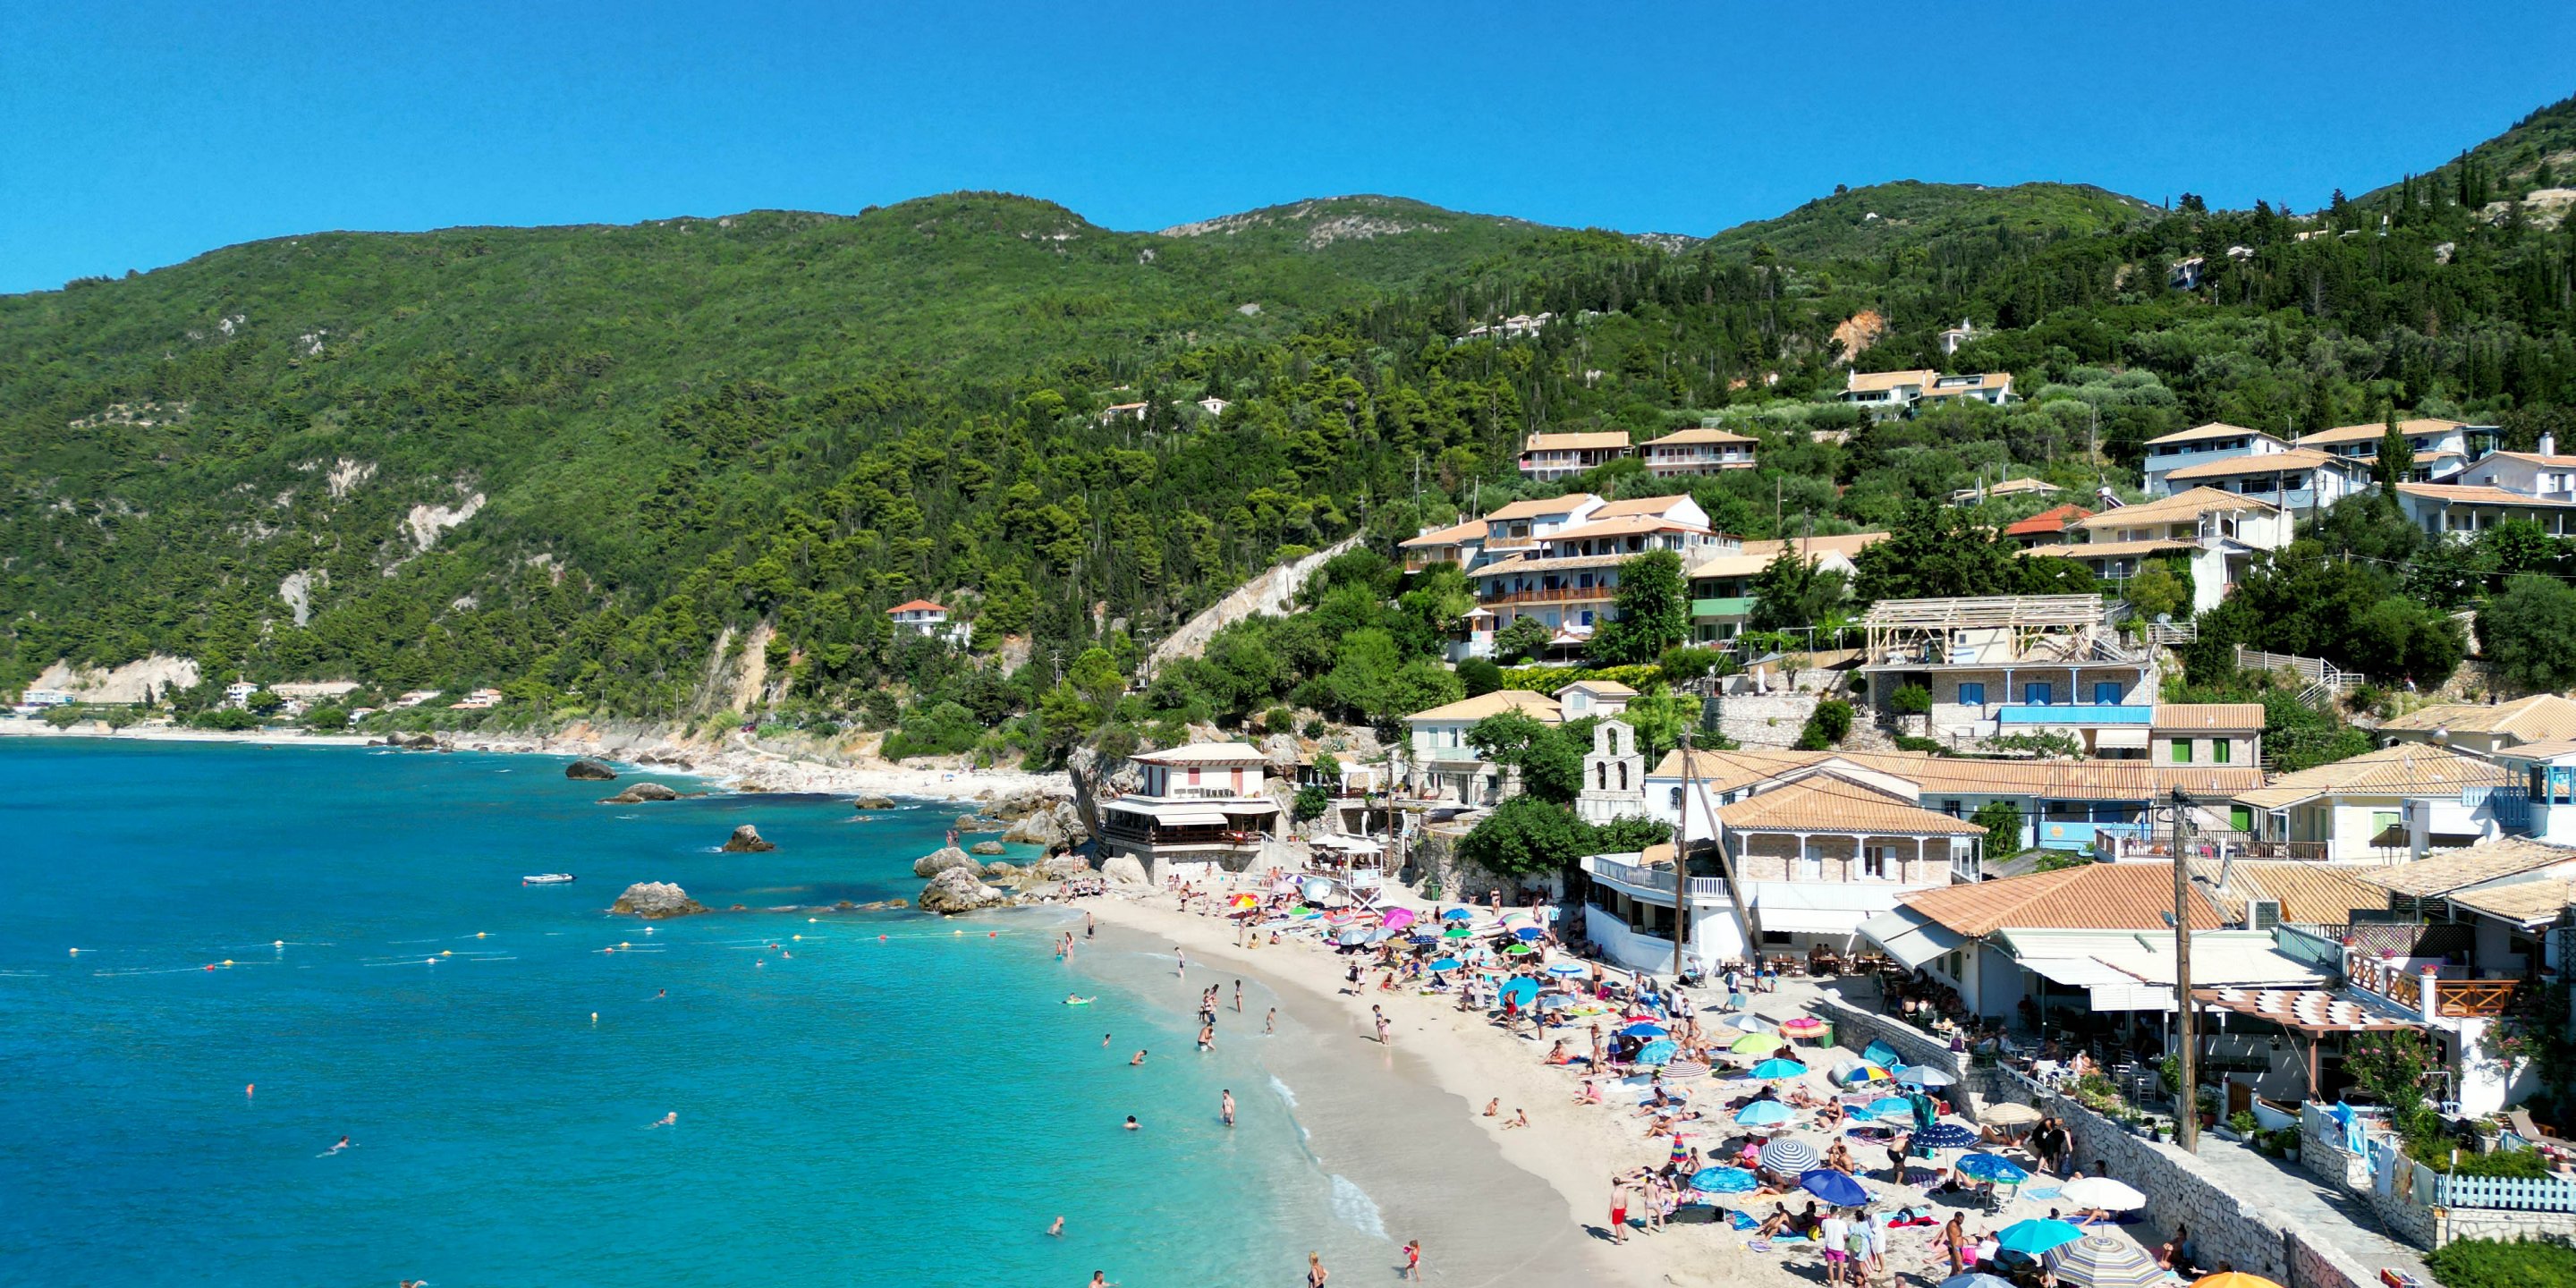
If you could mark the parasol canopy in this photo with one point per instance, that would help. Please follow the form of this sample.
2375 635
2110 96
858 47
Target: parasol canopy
1656 1052
1788 1156
1644 1030
2233 1279
1568 969
1804 1026
1398 918
1833 1187
1764 1113
1722 1180
2101 1192
1922 1075
2009 1113
1944 1136
1990 1167
1457 914
1775 1070
1526 990
1747 1020
1444 963
2034 1238
1857 1072
2100 1261
1685 1069
1754 1044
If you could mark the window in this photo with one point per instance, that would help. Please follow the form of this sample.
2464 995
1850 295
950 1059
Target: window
2219 751
1677 800
2036 695
2182 751
2107 692
1972 694
1950 808
1873 863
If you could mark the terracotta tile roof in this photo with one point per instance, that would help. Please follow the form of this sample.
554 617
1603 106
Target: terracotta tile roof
1845 544
2477 494
917 605
1471 530
2207 715
1625 525
1569 563
2559 461
1954 386
1542 505
2373 433
2546 749
2459 869
2263 463
1602 688
1537 705
1699 438
2108 549
2203 433
1882 381
2523 903
2540 717
2310 894
1743 565
1577 442
1825 803
2094 896
2400 769
2017 487
2114 780
1656 505
2048 522
2181 507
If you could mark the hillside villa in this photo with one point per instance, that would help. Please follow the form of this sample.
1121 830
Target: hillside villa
2538 486
2297 479
1890 393
1557 456
2201 445
2442 448
1568 578
2215 534
2403 799
2486 728
1201 803
1987 659
1699 451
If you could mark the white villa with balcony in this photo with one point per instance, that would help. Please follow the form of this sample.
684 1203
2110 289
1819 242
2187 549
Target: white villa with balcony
2442 448
1445 766
1568 578
2298 479
1890 393
2537 486
1699 451
2216 534
2000 661
1201 803
2408 798
1558 456
2199 446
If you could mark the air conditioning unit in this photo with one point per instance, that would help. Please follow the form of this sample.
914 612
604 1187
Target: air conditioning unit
2262 914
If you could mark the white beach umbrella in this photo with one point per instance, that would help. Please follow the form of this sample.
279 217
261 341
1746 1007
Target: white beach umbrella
2101 1192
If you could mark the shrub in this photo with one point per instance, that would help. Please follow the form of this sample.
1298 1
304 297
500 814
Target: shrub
1480 675
2493 1263
2241 1122
1834 718
1309 804
1927 746
1910 700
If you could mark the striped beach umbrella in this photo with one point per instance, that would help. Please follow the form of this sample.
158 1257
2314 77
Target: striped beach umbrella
1804 1026
1790 1157
2101 1261
1944 1136
1685 1069
1858 1072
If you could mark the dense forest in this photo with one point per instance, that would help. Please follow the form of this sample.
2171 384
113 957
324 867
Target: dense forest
574 463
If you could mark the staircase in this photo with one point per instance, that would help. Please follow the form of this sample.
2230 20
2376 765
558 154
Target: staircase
2321 681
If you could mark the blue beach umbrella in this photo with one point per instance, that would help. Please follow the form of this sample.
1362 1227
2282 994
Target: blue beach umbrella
1944 1136
1554 1001
1457 914
1878 1052
1833 1187
1568 969
1644 1030
1988 1167
2034 1238
1976 1281
1889 1107
1774 1070
1656 1052
1422 939
1723 1180
1530 932
1764 1113
1444 963
1524 989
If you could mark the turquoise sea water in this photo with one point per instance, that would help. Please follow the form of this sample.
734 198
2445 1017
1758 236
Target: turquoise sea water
882 1101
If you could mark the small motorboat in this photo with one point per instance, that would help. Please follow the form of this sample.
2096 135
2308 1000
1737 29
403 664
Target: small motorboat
547 878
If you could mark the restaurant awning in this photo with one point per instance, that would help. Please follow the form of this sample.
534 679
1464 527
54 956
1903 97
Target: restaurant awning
1909 937
2123 739
1249 805
1191 818
1817 908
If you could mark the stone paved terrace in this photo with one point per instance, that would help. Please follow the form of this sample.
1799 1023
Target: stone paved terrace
2342 1221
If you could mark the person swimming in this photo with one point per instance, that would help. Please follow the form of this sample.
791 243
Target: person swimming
1057 1229
1140 1059
344 1144
1131 1122
1076 999
671 1119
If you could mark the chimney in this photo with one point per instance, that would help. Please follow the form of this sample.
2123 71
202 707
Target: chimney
2548 444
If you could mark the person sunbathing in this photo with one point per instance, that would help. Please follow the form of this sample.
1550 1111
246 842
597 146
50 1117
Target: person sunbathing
1839 1158
1775 1223
1557 1054
1590 1095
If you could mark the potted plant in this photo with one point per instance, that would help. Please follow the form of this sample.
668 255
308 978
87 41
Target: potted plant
2240 1126
2207 1101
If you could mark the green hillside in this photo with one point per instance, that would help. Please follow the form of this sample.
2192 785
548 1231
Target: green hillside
1875 219
2538 152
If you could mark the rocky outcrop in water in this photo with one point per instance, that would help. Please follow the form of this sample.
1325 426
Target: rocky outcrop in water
412 741
976 823
873 802
957 890
654 900
589 770
940 860
746 840
986 847
1001 872
1061 867
639 793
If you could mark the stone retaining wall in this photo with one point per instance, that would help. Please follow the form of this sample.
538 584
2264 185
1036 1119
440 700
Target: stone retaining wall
2236 1229
2322 1152
1855 1028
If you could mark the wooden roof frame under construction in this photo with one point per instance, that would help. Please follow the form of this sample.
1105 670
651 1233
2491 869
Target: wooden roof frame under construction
1897 623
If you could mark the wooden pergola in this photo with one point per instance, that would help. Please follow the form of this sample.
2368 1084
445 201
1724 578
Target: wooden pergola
2309 1012
2025 619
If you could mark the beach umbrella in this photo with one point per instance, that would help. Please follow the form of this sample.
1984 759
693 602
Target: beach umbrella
1524 989
1316 888
1833 1187
1456 932
1644 1031
2101 1261
1685 1069
2233 1279
1444 963
1554 1001
1764 1113
1922 1075
2009 1113
1399 918
1515 914
1944 1136
1890 1107
1656 1052
2100 1192
2035 1237
1350 936
1879 1052
1754 1044
1519 950
1422 939
1775 1070
1723 1180
1858 1072
1976 1281
1804 1026
1747 1020
1247 901
1789 1156
1530 932
1568 969
1989 1167
1457 914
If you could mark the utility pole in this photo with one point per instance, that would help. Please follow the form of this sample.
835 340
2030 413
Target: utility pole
1681 858
2187 1093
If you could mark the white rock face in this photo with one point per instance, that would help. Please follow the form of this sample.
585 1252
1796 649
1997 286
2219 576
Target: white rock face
159 673
297 591
346 475
425 522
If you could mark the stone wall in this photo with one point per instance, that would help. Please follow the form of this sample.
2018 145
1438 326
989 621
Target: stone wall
2236 1229
1766 719
2322 1152
1855 1028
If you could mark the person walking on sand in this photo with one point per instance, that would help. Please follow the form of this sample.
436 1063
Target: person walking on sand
1412 1259
1621 1191
1225 1103
1381 1026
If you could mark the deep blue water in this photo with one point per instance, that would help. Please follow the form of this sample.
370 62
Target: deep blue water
882 1101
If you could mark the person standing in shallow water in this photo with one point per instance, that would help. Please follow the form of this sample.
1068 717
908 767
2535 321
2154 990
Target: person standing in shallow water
1226 1104
1316 1274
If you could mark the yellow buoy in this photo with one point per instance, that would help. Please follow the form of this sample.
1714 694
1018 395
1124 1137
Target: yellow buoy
623 944
228 961
481 934
443 952
594 1017
75 952
798 938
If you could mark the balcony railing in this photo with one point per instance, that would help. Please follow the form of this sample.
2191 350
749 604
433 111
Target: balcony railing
2075 713
1722 606
2452 998
1559 595
1658 880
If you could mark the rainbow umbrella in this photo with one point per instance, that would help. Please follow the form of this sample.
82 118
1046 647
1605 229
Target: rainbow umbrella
1776 1070
1855 1073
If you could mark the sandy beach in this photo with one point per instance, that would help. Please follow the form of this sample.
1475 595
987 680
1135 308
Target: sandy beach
738 763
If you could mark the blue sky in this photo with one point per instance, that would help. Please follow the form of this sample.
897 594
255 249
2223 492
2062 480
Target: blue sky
134 135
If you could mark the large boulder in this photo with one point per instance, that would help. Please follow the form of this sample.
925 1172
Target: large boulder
412 741
1060 867
999 871
638 793
940 860
746 840
589 770
654 900
1020 804
956 890
1125 870
976 823
873 802
986 847
1058 827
